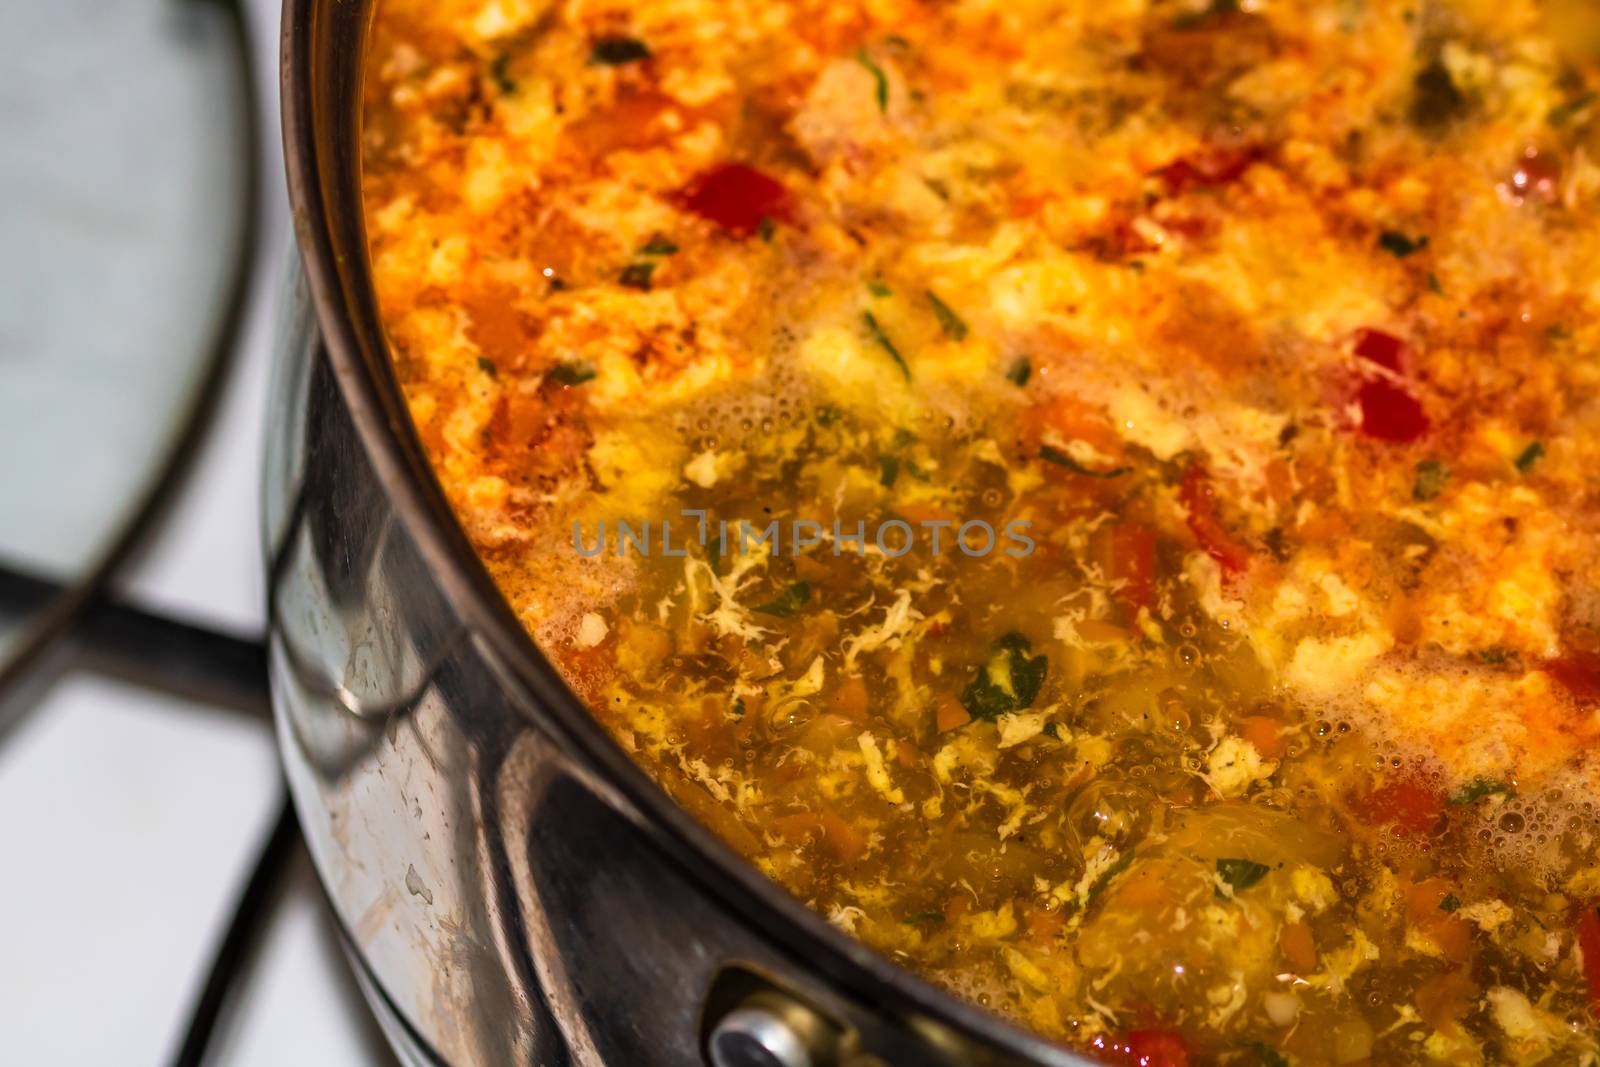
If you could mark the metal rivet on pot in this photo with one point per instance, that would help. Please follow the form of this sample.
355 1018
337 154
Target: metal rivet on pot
757 1037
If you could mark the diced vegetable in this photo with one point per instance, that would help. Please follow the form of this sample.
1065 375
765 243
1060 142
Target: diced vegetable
1008 681
796 596
618 51
1241 874
736 197
1200 506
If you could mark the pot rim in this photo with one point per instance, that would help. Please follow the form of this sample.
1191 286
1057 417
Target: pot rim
321 54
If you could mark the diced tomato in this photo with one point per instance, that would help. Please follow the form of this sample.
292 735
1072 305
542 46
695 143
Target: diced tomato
1298 946
950 715
1145 1048
1405 804
1579 671
1589 943
1199 500
1390 413
1264 733
1536 174
1384 349
1126 552
1212 165
1388 410
736 197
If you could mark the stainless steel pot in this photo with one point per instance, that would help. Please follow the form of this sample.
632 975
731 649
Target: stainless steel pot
512 888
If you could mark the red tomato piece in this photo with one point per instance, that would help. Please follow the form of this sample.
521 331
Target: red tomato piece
1384 349
1537 175
1212 165
1199 500
1589 942
1145 1048
1579 671
736 197
1127 552
1405 804
1390 413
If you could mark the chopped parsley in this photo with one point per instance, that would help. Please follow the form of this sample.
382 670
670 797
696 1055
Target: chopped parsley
951 323
1061 459
878 289
786 603
883 342
1431 477
659 246
1267 1055
738 707
1476 790
1008 681
488 367
1562 114
618 51
1451 903
923 917
1399 245
499 70
1240 873
1435 99
1529 456
888 470
1433 284
573 373
878 76
1120 864
638 275
1020 371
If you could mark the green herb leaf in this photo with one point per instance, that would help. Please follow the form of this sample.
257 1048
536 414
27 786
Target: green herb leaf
1529 456
488 367
1499 656
499 70
1120 864
787 602
618 51
949 321
1476 790
1433 284
1241 874
738 707
1450 903
878 289
888 470
1008 681
1021 370
879 76
1399 245
923 917
1435 99
766 228
1061 459
1564 113
883 341
573 373
827 415
659 246
1431 477
638 275
1269 1056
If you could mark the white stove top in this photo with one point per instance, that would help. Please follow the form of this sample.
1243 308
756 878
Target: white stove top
130 819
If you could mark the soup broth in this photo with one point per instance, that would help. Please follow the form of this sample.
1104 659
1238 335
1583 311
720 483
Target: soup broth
1096 499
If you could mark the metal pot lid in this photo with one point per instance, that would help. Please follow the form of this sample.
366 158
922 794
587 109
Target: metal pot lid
129 179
